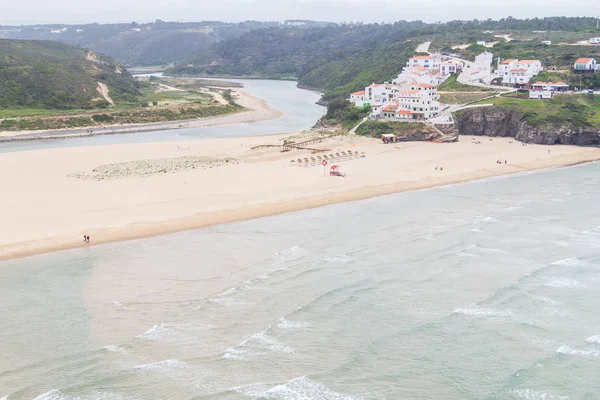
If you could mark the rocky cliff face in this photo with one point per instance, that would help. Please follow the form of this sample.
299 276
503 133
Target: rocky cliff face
497 121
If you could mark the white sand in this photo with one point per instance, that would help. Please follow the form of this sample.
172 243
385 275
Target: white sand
43 208
257 110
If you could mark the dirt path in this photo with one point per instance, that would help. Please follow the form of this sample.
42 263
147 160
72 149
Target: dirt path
103 90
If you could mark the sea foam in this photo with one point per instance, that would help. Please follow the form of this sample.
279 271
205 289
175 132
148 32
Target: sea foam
529 394
593 339
58 395
287 324
300 388
256 345
113 349
163 366
477 311
564 282
568 350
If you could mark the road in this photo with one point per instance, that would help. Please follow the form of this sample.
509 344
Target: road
423 47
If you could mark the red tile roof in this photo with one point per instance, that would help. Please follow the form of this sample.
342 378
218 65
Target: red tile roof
527 62
426 85
508 61
518 70
391 107
359 93
407 112
583 60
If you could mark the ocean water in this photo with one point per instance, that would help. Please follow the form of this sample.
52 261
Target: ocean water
298 106
483 290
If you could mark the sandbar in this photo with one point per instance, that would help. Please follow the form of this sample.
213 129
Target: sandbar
52 197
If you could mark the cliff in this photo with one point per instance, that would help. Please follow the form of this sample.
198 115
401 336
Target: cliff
405 131
500 121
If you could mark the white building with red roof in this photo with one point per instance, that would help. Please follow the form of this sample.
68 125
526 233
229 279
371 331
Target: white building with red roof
518 72
586 65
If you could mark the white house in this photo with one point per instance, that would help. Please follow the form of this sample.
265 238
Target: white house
515 71
450 67
533 67
481 42
547 42
586 65
373 95
358 98
428 62
595 40
541 94
506 66
484 59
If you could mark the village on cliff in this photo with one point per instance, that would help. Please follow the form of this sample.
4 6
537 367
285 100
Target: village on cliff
413 96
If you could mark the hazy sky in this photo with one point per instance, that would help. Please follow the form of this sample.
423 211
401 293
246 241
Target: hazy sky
82 11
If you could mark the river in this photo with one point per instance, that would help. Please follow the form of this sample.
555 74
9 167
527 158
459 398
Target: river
299 108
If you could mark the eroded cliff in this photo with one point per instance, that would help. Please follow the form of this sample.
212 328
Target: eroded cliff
499 121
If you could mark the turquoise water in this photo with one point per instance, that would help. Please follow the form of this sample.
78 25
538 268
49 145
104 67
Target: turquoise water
299 108
484 290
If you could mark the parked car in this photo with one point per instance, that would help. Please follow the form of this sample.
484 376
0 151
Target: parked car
590 91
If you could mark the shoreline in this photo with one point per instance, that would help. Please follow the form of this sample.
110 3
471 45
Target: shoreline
254 109
252 205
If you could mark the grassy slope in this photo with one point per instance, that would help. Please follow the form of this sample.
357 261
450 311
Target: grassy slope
452 85
576 110
52 75
378 128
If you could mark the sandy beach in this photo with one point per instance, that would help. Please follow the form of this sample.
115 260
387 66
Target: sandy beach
118 192
257 110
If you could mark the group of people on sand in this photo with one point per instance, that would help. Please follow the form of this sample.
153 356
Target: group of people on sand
439 167
86 238
500 161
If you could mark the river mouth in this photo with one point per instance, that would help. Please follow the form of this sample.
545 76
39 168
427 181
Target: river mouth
299 109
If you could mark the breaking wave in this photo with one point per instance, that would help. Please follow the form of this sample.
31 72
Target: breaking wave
564 282
530 394
58 395
593 339
300 388
256 345
287 324
163 366
477 311
568 350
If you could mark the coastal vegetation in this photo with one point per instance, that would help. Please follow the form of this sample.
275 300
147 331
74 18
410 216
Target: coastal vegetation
576 110
52 75
378 128
558 56
343 114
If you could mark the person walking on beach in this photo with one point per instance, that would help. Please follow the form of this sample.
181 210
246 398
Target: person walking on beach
87 238
84 238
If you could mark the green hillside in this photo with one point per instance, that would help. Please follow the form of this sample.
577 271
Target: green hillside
144 44
291 52
52 75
